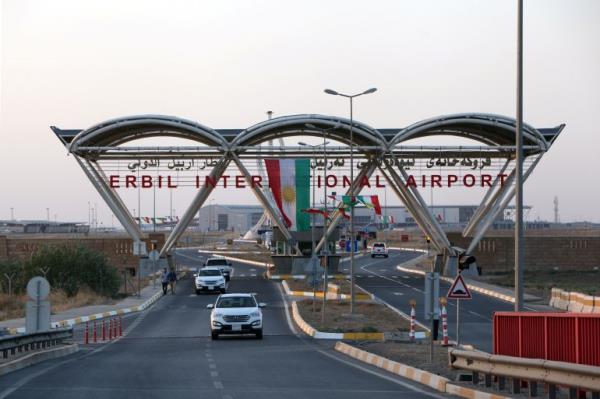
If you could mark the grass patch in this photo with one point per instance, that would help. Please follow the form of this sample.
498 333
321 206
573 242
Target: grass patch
370 317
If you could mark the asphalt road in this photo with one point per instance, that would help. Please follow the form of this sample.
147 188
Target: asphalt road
380 277
167 353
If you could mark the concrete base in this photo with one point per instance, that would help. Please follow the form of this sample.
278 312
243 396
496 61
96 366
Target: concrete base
37 357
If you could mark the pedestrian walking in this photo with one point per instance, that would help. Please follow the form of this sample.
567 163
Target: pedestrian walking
164 278
172 277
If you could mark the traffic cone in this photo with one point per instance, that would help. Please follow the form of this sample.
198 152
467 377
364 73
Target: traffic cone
86 338
444 327
413 320
95 336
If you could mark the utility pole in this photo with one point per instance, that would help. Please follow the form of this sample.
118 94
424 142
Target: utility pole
519 236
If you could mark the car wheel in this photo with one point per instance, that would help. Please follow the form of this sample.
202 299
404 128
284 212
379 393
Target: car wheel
223 291
198 292
259 335
214 335
372 256
227 278
385 256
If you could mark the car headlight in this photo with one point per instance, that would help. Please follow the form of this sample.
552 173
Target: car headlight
216 324
218 315
199 282
255 314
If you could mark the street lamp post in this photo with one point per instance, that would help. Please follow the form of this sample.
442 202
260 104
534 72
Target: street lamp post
519 236
352 237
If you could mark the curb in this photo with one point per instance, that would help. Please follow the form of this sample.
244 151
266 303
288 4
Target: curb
472 287
97 316
310 330
330 295
434 381
37 357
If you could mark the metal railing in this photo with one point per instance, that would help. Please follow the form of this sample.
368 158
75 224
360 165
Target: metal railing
11 345
575 377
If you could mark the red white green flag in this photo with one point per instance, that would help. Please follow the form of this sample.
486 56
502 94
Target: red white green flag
289 180
370 201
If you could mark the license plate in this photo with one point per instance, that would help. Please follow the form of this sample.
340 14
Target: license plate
236 327
211 287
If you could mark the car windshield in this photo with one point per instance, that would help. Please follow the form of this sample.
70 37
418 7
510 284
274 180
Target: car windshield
236 302
216 262
209 273
379 245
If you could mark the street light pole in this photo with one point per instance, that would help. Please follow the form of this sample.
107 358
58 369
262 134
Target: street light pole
519 236
352 235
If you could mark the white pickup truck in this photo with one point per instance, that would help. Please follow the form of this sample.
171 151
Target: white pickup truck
222 264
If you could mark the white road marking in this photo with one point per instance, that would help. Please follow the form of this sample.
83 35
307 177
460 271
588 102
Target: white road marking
407 277
212 366
252 270
287 312
383 270
253 275
243 275
214 373
370 276
416 289
218 384
398 293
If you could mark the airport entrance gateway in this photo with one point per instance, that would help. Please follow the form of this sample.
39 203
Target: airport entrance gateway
239 158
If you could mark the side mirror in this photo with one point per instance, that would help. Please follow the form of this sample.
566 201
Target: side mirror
262 305
195 274
210 306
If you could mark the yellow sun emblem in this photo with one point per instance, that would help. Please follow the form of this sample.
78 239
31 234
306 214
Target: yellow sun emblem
288 194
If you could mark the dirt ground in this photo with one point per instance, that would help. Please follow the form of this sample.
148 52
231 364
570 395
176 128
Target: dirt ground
370 317
539 283
302 285
13 307
412 354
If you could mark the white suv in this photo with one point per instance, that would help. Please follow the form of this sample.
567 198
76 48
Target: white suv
236 314
379 249
209 279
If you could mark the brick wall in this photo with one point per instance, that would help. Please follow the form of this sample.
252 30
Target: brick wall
117 248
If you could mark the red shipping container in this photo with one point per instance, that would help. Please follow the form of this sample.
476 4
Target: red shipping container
565 337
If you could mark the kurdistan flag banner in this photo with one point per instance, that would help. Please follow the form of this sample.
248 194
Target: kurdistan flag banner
289 180
370 201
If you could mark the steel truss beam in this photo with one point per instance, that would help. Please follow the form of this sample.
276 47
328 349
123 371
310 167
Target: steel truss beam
111 198
499 203
262 198
196 204
354 189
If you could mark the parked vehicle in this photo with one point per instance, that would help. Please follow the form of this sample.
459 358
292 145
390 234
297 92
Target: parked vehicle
210 279
236 314
379 249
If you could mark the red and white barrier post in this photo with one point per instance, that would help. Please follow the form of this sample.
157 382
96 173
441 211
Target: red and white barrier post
110 329
115 328
443 302
95 336
103 330
86 332
120 327
413 319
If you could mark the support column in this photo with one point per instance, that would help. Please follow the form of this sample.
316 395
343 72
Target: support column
262 199
414 212
498 206
196 204
121 212
355 188
419 204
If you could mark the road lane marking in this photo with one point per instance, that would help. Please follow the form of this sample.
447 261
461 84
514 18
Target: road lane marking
212 366
253 275
218 384
398 293
252 270
243 275
214 373
287 312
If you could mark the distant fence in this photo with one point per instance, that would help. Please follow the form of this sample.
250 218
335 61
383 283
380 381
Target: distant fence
574 301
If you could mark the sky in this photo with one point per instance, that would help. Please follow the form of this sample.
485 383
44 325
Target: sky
225 63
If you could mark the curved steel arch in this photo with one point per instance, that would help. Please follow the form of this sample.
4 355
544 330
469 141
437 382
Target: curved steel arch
489 129
297 125
122 130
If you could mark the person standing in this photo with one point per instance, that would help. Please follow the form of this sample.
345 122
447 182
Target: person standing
164 278
172 277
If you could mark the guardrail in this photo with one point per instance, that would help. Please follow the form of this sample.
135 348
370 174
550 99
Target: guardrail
574 301
576 377
11 345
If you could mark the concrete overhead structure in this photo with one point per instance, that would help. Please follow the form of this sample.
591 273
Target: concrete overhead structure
382 150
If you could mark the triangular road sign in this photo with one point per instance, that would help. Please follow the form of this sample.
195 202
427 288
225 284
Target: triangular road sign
459 289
